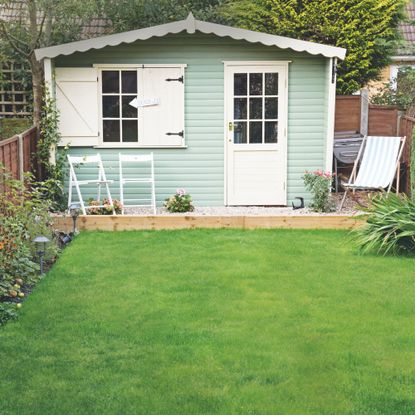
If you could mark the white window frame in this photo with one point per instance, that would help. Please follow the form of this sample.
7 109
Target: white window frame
121 67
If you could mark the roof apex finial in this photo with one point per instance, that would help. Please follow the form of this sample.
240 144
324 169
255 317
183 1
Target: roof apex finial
190 23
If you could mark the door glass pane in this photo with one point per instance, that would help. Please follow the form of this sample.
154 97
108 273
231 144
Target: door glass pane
271 132
111 130
240 133
255 83
129 82
255 108
129 131
127 110
271 108
255 132
110 106
239 84
239 108
271 84
110 81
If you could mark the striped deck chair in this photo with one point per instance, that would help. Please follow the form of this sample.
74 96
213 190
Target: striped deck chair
379 162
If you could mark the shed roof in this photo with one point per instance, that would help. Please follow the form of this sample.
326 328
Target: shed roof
191 25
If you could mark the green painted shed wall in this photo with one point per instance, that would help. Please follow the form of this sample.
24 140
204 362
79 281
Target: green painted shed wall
200 167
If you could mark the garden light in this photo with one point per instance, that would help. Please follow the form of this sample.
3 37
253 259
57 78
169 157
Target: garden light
41 242
74 210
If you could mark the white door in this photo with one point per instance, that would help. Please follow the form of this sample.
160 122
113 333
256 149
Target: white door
256 119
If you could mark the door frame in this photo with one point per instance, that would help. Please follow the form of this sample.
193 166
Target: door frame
226 91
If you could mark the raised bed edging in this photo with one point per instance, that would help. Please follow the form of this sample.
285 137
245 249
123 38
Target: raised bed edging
134 222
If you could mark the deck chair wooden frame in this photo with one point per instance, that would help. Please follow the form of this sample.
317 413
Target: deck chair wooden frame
100 181
137 159
351 184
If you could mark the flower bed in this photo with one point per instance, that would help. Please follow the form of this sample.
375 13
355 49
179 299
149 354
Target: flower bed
25 215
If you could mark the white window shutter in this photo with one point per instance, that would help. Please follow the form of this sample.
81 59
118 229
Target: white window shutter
77 102
168 115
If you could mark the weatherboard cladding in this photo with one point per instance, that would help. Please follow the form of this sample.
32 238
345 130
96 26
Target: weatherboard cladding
199 168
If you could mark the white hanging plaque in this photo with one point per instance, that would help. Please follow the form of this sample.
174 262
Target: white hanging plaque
144 102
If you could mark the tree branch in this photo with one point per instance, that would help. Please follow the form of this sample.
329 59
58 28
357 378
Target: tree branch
12 42
40 30
16 39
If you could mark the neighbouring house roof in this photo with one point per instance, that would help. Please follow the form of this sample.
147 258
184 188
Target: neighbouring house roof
12 12
407 30
191 25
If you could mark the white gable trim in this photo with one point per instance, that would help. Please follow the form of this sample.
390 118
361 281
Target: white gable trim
191 25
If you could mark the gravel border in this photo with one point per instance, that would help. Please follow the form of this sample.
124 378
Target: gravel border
240 211
352 207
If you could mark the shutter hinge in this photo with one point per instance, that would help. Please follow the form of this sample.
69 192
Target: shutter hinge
180 133
97 79
175 79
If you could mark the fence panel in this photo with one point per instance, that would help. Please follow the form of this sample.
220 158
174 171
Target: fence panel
16 154
383 120
406 128
9 156
347 113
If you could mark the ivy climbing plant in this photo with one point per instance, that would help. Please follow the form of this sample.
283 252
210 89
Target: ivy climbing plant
52 162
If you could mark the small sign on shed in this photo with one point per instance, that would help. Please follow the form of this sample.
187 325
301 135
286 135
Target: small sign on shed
144 102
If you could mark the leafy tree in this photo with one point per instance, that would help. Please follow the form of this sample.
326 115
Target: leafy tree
135 14
40 23
366 28
400 92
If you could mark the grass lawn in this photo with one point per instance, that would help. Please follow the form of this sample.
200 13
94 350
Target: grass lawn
214 322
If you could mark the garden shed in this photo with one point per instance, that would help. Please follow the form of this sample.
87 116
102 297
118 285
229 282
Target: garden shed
233 116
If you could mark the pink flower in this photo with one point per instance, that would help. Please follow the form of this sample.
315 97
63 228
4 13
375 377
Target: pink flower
181 192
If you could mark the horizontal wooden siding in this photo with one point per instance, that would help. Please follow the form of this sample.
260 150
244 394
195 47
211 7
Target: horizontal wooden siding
200 167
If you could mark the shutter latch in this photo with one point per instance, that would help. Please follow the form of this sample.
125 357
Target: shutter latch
180 133
175 79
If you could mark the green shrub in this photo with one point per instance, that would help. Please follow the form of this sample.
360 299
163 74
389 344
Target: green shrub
400 92
180 202
24 215
390 227
412 168
12 126
318 183
7 312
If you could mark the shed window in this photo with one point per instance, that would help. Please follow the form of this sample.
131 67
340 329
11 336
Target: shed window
255 106
119 119
157 117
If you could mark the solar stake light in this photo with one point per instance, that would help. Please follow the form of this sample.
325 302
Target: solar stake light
74 210
40 242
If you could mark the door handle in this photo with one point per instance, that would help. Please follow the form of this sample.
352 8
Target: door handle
230 129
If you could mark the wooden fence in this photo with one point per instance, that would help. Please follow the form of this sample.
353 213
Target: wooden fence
16 154
350 116
383 120
348 110
406 128
355 114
